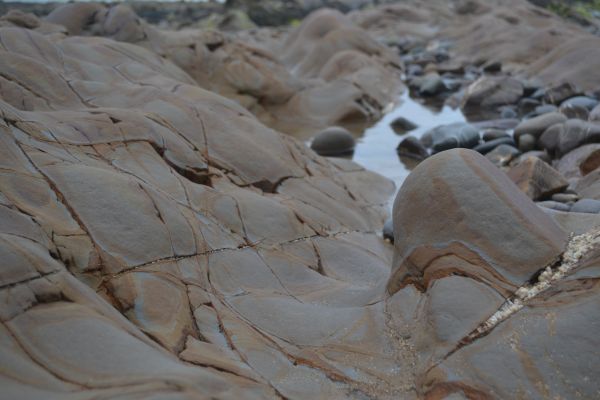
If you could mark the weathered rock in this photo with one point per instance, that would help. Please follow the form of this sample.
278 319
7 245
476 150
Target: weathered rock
488 92
537 179
413 148
443 213
537 125
574 111
562 138
333 141
559 93
569 165
502 155
402 125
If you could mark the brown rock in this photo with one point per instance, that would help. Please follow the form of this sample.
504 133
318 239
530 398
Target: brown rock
537 179
443 211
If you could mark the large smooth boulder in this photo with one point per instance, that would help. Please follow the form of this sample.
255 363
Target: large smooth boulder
451 213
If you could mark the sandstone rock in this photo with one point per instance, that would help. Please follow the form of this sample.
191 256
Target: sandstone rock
537 179
570 164
488 92
472 185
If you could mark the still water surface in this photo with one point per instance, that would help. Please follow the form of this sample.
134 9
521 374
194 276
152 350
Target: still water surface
376 149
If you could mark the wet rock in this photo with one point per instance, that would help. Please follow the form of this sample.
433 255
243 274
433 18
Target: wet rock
589 206
454 135
489 92
562 138
554 205
431 85
492 134
502 155
527 142
486 147
402 125
545 109
537 125
537 179
503 124
435 244
333 141
595 114
413 148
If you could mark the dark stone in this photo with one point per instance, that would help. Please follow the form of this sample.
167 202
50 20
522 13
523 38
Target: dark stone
537 125
495 66
486 147
527 105
413 148
455 135
402 125
333 141
414 70
491 134
526 142
573 133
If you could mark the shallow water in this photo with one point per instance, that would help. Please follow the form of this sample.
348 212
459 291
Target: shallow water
376 149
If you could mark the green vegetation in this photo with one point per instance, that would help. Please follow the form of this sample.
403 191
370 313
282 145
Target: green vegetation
578 9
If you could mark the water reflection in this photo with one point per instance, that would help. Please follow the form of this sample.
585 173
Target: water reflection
376 149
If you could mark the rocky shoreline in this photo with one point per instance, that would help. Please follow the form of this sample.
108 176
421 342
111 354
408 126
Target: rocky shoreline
166 232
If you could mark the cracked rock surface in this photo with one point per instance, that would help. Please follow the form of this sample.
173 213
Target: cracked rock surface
158 240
